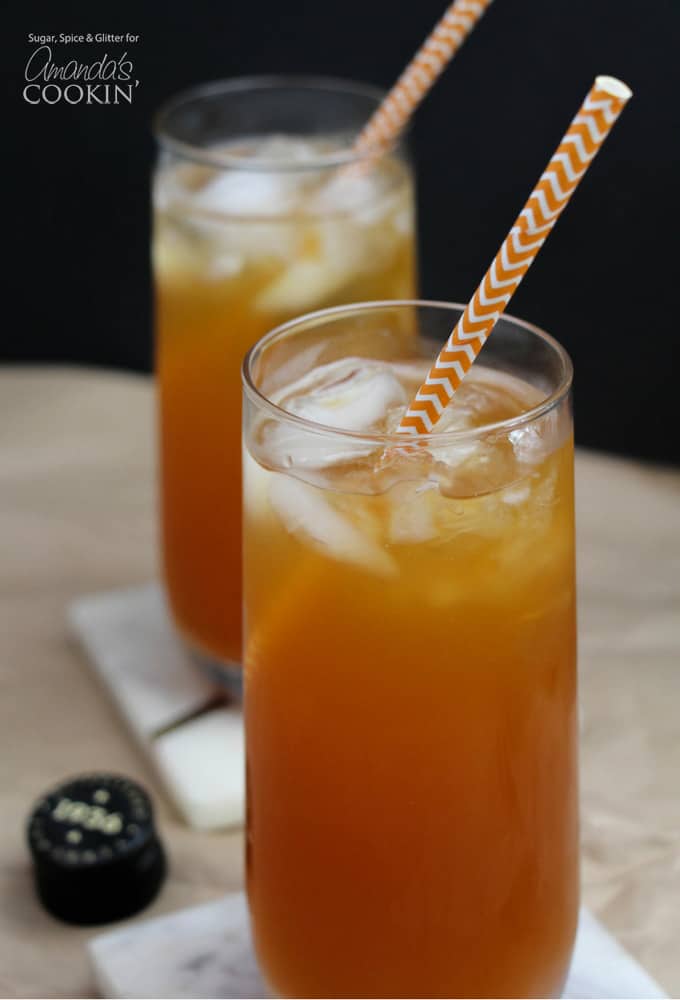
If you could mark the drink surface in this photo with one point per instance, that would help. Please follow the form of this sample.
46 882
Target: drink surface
410 692
235 253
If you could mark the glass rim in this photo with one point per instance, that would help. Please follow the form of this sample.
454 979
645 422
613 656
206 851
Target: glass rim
437 437
271 81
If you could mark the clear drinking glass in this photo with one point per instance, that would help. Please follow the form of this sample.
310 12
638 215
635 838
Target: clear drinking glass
409 661
255 221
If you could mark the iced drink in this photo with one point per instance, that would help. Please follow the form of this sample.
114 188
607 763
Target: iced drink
250 230
409 655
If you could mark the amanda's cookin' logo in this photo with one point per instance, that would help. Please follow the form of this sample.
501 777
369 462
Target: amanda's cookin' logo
104 80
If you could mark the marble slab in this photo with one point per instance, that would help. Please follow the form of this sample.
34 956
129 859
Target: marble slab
175 714
205 951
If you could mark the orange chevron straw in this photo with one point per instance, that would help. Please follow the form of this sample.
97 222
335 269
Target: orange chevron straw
585 135
429 62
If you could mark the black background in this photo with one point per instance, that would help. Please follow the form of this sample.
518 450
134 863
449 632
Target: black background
77 177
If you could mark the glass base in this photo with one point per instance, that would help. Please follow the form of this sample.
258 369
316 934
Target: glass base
227 674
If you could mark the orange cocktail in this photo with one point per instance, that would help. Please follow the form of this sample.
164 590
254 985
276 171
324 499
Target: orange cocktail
254 223
410 665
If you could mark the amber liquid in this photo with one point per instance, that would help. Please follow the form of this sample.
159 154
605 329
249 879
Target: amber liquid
206 320
411 749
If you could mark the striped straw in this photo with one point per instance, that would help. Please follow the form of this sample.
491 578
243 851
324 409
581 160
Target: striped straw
573 156
429 62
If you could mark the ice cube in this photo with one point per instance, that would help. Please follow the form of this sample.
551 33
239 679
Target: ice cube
308 516
411 515
307 452
256 190
457 453
173 257
342 192
474 468
359 195
353 394
474 464
225 264
231 242
535 441
459 463
255 485
369 195
403 221
335 256
242 192
304 284
344 248
516 495
233 215
283 149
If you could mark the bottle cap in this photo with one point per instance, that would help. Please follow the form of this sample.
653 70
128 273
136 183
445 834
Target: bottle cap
96 854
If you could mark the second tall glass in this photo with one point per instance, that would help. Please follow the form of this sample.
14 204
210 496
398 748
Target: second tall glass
255 222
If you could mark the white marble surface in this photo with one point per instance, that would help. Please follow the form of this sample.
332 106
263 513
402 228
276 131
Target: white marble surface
202 765
168 705
127 635
205 951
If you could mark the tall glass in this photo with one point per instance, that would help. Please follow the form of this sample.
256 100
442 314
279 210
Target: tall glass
255 221
410 662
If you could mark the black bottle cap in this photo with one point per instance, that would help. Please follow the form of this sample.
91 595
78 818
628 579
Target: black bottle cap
95 850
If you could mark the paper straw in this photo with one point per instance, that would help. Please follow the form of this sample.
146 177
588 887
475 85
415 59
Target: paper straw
573 156
429 62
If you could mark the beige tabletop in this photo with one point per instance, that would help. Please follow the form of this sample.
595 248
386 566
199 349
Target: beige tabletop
77 516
